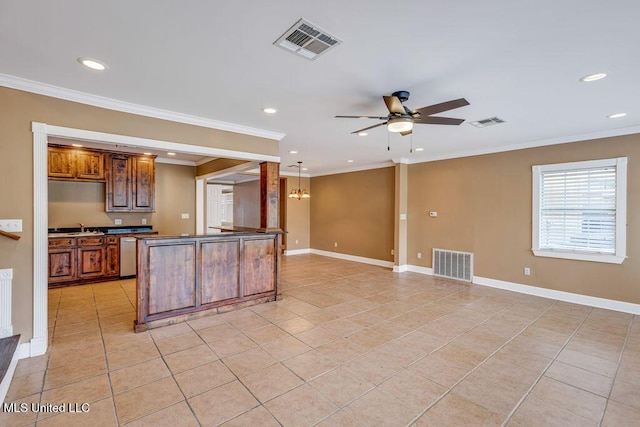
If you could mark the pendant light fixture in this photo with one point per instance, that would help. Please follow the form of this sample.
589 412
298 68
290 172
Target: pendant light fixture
298 194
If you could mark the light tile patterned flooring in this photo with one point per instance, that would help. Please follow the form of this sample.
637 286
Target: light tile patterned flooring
348 345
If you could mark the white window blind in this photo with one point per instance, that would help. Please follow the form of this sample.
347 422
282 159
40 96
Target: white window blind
579 210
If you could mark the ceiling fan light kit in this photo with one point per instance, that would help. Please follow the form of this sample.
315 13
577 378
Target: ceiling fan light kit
400 124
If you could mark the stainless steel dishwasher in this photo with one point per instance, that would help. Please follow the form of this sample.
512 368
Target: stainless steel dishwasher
127 256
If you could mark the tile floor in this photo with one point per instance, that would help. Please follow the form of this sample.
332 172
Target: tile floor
349 344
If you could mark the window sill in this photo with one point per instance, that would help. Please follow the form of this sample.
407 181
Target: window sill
610 259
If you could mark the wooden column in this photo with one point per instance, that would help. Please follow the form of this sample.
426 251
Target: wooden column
269 196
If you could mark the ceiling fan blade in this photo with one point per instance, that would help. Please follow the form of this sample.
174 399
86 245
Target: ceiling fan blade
444 106
438 121
361 117
370 127
409 132
394 105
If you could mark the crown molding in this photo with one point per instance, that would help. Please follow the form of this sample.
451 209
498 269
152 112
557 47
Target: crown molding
533 144
127 107
357 168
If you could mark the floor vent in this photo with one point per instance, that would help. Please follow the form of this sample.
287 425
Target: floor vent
307 40
487 122
453 264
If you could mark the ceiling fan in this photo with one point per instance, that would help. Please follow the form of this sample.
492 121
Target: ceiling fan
401 119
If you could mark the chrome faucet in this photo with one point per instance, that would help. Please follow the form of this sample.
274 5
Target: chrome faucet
81 226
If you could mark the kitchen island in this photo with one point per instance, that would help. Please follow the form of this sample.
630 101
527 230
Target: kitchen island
185 277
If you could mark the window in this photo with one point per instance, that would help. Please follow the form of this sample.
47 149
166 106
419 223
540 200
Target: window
579 210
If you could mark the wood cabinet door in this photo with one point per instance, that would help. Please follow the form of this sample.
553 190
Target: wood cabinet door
62 265
61 163
258 260
112 265
220 265
143 184
90 165
118 192
91 261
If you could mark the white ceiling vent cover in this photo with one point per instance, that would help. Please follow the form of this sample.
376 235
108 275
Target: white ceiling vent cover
307 40
487 122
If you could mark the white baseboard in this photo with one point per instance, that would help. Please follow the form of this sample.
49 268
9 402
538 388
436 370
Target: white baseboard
421 270
378 262
297 252
609 304
400 268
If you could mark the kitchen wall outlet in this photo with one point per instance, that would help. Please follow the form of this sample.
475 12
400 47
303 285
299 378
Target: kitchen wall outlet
184 216
117 221
335 244
296 241
392 252
144 221
11 225
433 214
527 271
419 255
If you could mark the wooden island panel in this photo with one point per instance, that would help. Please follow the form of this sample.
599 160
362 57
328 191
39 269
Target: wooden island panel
171 277
220 277
181 278
259 256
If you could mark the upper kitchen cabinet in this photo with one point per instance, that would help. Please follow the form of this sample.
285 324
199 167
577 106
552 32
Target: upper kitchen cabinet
75 165
130 183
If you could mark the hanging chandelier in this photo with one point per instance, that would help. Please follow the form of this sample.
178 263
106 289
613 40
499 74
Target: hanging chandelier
298 194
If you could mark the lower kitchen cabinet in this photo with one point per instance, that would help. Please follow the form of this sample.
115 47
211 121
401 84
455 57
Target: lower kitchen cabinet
62 265
78 260
112 257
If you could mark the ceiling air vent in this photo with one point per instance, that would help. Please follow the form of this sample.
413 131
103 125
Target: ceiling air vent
487 122
307 40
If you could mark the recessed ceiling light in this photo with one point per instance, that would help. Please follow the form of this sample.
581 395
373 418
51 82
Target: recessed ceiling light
362 134
593 77
76 145
270 110
94 64
171 154
147 154
616 115
349 161
293 152
419 149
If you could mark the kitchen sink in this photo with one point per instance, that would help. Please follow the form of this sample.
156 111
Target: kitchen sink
77 234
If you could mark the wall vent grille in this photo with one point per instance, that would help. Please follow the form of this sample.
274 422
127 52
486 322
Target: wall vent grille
487 122
307 40
453 264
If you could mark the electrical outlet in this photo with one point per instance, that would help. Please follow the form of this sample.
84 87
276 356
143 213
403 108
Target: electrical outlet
527 271
335 244
11 225
392 252
117 221
296 241
419 255
144 221
184 216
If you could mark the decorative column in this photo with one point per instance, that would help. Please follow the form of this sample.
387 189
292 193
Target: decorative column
269 196
6 325
40 221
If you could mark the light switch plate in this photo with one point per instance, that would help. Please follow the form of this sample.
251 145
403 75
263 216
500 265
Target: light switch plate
11 225
184 216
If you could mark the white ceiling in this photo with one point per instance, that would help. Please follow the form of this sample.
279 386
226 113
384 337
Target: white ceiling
518 60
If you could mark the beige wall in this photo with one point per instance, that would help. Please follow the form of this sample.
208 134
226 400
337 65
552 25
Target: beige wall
17 110
74 202
298 216
484 207
246 204
356 210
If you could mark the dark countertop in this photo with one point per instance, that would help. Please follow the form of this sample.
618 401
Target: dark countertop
101 230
